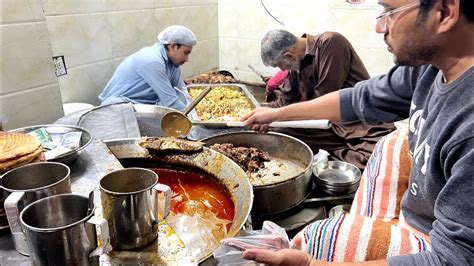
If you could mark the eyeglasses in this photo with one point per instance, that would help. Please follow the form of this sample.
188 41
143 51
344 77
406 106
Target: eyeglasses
384 18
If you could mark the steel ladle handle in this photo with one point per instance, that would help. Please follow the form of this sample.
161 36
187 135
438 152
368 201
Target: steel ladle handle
197 100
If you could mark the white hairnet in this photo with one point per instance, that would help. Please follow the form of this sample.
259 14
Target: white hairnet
177 34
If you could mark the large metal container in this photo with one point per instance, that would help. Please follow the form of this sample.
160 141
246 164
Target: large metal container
222 168
277 197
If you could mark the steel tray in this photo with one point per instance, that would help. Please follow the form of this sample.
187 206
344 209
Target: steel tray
193 114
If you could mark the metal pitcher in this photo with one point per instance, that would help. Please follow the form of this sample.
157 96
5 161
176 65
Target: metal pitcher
28 184
131 207
60 230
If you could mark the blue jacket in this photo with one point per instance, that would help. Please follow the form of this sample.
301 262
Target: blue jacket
147 77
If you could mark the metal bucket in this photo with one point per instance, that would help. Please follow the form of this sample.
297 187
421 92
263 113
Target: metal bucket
277 197
222 168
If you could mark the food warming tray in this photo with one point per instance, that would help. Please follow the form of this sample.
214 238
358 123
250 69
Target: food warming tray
213 123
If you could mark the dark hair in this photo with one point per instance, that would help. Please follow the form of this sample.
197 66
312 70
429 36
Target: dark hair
178 44
466 8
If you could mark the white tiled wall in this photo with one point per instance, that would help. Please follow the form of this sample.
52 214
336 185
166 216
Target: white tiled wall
29 89
242 24
96 35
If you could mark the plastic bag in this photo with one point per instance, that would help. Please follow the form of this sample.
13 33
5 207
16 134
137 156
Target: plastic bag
271 237
321 156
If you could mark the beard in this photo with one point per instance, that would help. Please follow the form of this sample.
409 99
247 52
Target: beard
293 65
415 51
410 54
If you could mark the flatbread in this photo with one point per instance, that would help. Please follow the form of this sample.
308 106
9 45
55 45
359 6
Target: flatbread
14 145
36 156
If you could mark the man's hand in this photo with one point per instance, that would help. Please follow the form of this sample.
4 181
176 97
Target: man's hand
281 257
260 117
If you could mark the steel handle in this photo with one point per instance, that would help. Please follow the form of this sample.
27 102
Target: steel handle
13 214
197 100
105 246
162 210
315 124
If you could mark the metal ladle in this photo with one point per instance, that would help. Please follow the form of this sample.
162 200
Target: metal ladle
175 123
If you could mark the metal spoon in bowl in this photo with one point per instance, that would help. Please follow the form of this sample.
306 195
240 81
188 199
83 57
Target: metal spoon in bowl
177 124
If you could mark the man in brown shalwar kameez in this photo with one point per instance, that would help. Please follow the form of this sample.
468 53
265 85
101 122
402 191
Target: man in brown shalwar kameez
319 65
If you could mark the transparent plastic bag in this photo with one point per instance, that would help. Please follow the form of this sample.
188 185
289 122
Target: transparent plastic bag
271 237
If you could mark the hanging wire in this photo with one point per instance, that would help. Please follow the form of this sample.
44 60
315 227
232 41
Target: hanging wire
264 7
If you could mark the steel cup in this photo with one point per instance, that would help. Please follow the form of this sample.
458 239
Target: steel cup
130 204
60 230
28 184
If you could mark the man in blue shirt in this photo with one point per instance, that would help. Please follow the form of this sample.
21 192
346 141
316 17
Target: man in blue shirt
151 75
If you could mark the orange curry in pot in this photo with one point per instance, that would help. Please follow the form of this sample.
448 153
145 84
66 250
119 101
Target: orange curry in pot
204 200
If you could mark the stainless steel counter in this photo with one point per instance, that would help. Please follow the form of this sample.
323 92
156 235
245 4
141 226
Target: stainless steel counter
96 159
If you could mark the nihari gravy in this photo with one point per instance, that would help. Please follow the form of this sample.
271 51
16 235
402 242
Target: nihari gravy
200 207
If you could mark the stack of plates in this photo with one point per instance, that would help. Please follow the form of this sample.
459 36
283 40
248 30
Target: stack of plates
336 177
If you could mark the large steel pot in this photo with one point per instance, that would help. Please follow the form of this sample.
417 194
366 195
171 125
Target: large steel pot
294 189
209 161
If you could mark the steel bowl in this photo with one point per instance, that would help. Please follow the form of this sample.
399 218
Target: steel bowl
336 177
338 209
69 157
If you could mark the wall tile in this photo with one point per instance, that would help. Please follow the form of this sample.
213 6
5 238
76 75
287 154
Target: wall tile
249 53
36 106
319 20
253 21
83 84
375 60
171 3
63 7
228 21
205 56
82 39
116 5
26 57
203 2
205 20
174 16
21 11
228 53
359 27
130 31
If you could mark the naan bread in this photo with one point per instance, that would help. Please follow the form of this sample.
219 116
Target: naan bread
36 156
14 145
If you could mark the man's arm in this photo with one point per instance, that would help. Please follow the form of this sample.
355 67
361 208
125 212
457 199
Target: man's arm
296 257
385 98
155 75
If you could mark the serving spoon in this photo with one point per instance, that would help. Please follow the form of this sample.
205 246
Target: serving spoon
176 124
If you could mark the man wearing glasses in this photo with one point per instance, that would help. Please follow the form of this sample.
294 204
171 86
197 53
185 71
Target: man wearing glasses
432 84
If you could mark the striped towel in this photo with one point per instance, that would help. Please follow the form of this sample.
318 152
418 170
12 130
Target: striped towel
372 229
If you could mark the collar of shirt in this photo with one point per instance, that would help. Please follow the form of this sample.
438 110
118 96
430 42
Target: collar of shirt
310 49
162 52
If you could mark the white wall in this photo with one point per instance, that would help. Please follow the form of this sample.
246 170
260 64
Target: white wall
96 35
242 23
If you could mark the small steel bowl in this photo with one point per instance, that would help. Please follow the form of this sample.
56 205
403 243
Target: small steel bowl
336 177
338 209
